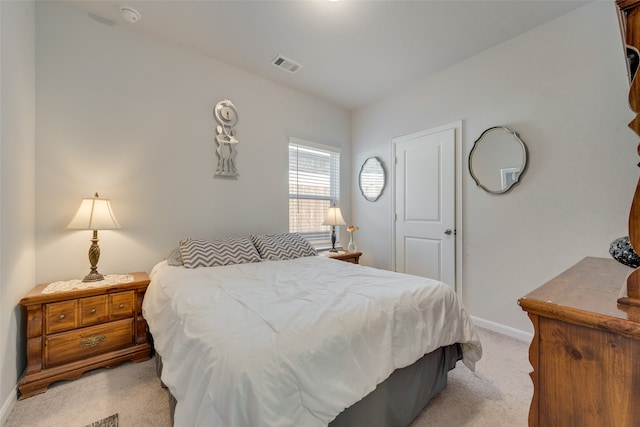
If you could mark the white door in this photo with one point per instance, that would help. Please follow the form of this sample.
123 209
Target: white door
425 205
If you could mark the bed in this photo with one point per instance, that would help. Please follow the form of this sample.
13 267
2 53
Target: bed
297 339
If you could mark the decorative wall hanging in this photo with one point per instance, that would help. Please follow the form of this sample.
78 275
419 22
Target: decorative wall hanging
226 115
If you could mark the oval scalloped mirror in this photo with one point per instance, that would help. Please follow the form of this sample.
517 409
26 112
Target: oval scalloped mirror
497 160
371 179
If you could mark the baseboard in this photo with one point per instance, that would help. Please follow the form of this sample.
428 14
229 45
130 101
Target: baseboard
502 329
7 406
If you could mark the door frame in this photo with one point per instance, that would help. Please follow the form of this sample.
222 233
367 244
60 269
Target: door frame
457 127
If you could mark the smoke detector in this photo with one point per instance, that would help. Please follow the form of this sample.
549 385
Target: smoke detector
130 14
286 64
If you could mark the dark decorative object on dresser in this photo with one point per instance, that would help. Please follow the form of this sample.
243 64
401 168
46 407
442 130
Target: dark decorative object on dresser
622 251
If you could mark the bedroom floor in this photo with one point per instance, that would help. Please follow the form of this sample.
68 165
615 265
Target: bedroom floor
498 394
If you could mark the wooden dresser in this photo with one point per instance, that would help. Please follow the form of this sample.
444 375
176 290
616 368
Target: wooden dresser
71 332
585 351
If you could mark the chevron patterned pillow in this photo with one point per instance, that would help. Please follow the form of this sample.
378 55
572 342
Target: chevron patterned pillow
276 247
214 252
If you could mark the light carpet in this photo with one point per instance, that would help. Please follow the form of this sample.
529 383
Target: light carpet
498 394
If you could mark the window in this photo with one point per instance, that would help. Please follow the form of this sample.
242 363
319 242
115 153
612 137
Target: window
314 185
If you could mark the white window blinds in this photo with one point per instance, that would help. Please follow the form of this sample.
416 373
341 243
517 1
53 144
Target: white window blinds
314 185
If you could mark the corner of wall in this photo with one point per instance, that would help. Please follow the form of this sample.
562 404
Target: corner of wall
17 181
7 406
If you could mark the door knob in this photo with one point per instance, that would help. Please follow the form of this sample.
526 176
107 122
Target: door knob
448 231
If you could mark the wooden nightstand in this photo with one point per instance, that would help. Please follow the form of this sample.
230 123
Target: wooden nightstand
353 257
71 332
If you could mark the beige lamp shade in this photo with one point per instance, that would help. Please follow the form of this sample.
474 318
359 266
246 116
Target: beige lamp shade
334 217
94 214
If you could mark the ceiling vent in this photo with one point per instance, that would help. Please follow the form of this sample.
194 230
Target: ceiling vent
286 64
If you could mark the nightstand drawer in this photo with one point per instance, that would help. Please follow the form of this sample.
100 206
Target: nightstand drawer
122 305
69 346
61 316
93 310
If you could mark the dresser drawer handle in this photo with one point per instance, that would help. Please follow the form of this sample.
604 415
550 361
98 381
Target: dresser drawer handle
92 341
93 311
61 317
121 305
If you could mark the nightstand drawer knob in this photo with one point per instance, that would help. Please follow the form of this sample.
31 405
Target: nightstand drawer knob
93 311
121 305
61 317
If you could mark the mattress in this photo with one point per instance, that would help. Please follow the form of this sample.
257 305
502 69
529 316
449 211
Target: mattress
289 343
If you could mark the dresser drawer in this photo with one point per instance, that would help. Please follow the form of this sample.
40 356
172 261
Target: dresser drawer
122 305
61 316
86 342
93 310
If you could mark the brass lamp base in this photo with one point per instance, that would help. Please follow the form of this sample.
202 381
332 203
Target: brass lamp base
94 256
93 277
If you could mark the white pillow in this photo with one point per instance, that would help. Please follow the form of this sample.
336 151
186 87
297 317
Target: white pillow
175 258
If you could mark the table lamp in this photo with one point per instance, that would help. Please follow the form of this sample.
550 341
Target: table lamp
334 217
94 214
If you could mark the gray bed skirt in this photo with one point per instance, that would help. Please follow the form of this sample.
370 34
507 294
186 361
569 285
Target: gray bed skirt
397 400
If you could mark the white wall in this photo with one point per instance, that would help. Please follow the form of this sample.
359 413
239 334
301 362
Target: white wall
563 87
131 118
17 175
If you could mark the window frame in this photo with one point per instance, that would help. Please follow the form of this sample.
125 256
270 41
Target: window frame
320 238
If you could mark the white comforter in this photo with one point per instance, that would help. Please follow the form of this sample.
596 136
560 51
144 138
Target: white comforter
292 343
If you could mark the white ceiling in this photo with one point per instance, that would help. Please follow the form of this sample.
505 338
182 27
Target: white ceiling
351 52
